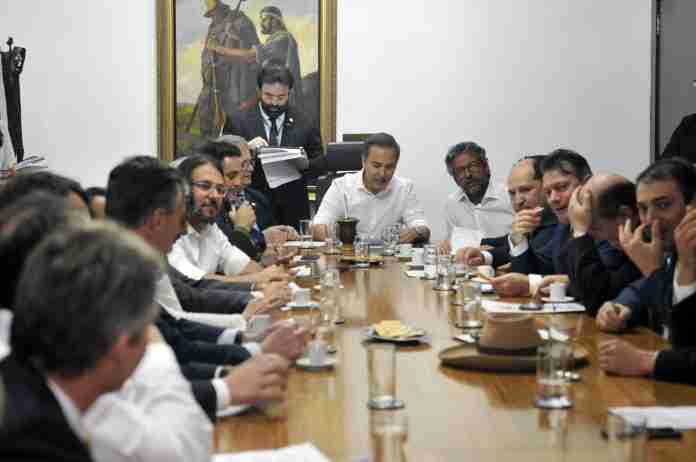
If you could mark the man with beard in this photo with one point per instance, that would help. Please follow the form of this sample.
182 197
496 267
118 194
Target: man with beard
665 300
229 79
374 195
273 122
204 252
480 204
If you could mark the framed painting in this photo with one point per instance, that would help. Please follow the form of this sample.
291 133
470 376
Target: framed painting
209 52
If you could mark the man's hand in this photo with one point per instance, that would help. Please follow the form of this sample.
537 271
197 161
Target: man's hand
548 280
511 285
622 358
471 256
525 222
685 242
444 247
154 335
647 256
263 377
244 217
580 210
612 317
257 143
277 294
320 232
274 273
413 234
288 340
280 234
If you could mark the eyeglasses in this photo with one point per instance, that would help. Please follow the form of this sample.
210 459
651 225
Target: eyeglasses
206 186
472 167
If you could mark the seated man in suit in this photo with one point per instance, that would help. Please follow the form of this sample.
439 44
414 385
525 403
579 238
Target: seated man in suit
273 122
203 252
562 171
374 195
595 212
154 416
480 204
238 217
665 300
70 190
61 363
148 197
528 201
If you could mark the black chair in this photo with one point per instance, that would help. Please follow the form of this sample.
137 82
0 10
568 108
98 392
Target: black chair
341 158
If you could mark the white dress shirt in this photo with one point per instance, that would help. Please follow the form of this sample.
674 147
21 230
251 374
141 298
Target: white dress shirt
154 417
492 217
398 203
196 254
279 122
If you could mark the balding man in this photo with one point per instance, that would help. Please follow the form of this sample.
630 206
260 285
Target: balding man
525 192
595 212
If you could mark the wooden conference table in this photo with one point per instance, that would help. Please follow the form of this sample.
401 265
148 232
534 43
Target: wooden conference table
453 414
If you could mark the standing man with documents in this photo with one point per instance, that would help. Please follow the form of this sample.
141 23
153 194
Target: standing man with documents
272 122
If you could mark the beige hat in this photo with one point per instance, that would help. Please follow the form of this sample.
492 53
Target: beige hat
508 342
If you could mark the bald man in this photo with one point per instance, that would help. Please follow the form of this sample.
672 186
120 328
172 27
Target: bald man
595 212
528 202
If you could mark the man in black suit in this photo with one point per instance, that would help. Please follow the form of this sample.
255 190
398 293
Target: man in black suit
272 122
60 365
665 300
682 143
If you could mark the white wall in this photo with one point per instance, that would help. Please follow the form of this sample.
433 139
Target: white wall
518 77
88 86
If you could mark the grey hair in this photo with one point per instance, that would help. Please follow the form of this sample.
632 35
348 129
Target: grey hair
79 291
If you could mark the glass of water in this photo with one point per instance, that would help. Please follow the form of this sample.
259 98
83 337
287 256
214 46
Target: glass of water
305 232
553 390
361 248
430 254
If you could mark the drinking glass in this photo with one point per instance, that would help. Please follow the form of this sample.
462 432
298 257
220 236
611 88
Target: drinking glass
331 242
381 365
430 254
330 287
389 432
469 308
361 250
626 438
553 390
390 241
445 273
567 328
305 232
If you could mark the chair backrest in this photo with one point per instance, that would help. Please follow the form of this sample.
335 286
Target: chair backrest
345 156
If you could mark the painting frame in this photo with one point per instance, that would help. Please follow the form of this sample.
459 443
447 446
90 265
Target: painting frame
166 75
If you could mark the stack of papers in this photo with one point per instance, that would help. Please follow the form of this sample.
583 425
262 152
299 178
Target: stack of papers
677 417
282 165
31 163
302 452
492 306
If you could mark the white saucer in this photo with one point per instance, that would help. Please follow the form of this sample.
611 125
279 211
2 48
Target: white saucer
565 299
304 363
304 244
232 410
308 305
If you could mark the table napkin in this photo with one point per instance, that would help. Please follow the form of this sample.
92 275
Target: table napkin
677 417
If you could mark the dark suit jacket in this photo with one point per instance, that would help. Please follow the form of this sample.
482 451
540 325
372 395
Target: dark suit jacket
542 255
34 427
501 244
591 280
650 300
222 298
290 202
683 140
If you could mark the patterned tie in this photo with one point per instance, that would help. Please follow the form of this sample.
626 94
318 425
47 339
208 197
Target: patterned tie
273 136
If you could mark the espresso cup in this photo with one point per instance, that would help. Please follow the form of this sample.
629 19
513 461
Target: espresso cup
405 250
417 256
557 290
260 323
316 350
301 296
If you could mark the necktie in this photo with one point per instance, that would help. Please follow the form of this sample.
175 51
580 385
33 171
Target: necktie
273 135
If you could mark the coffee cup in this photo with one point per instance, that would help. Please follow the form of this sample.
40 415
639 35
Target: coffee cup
557 290
316 350
301 296
486 270
417 256
405 250
260 323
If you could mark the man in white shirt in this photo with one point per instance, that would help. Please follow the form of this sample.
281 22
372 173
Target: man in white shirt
480 207
204 252
61 364
374 195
